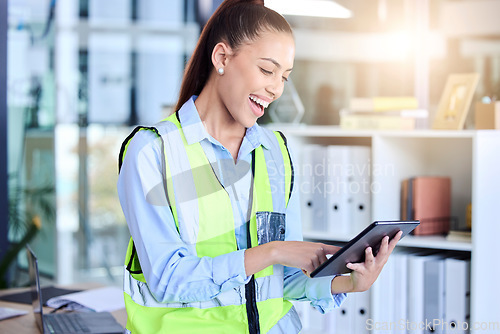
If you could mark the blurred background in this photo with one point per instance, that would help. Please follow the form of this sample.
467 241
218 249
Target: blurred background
80 74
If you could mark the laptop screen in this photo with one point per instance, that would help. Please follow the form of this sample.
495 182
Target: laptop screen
36 293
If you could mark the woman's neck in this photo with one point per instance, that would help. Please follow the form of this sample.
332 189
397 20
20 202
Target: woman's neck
218 121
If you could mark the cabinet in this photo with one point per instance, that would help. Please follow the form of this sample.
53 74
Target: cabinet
470 158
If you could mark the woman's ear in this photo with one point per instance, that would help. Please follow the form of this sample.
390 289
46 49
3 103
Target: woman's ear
220 56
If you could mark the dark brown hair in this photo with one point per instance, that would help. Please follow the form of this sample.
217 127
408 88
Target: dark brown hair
234 22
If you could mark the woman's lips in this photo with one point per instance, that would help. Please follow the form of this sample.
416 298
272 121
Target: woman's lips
257 109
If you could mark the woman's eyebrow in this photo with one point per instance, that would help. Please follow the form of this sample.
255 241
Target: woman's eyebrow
278 65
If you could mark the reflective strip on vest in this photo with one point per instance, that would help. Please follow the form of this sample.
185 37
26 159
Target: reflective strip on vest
223 319
268 287
289 323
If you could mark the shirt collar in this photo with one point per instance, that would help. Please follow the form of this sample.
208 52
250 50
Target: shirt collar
256 136
195 131
191 124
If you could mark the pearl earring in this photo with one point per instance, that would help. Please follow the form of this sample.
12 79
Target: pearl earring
221 71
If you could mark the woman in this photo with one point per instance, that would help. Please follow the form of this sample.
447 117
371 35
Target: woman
209 199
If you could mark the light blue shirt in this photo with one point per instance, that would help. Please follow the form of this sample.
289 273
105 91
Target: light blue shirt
173 273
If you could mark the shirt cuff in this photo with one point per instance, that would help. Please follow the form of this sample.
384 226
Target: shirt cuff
229 270
319 291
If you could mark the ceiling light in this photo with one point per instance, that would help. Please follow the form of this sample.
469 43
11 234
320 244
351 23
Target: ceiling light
316 8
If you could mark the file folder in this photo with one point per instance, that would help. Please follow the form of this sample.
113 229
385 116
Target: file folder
457 286
434 295
383 294
338 212
400 290
343 317
359 168
416 290
312 188
360 312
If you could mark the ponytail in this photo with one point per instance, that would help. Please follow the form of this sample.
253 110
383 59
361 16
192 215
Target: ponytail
234 22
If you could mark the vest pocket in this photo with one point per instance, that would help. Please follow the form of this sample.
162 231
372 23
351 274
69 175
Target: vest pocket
270 226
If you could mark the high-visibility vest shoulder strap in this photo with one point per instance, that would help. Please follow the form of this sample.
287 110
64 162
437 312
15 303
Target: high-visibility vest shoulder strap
289 172
126 142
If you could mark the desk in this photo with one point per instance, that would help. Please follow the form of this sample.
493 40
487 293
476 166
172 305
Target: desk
26 324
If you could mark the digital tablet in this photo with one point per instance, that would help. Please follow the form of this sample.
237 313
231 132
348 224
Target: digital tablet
354 250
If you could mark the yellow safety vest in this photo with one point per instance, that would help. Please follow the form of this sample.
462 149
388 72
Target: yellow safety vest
255 308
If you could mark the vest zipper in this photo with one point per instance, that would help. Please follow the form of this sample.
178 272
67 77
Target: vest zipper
251 304
250 294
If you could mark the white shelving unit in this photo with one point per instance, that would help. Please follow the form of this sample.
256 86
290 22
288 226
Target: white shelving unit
470 158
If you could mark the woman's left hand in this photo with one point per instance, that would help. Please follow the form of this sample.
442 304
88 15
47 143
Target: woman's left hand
365 273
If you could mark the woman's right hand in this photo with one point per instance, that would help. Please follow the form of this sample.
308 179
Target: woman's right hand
302 254
298 254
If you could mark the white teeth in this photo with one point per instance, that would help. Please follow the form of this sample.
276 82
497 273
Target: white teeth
259 101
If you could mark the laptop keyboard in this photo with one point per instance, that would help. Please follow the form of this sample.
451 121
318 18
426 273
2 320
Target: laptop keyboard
65 323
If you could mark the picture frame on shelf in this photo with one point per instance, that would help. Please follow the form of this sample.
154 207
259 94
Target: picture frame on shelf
455 101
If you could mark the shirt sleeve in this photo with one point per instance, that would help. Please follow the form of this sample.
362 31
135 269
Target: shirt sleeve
298 286
173 272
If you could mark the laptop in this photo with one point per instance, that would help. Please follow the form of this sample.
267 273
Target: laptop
67 323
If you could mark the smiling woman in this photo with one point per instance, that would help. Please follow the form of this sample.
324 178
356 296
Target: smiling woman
254 76
208 196
235 23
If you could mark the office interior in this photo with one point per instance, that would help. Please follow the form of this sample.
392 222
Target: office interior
79 75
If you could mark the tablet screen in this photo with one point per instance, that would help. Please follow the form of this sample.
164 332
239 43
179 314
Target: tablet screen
354 250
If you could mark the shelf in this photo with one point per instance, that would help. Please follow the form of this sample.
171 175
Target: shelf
434 241
469 157
335 131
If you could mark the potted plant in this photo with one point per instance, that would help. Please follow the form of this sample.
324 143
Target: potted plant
27 206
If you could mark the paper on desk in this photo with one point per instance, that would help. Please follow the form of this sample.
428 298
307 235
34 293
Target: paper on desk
99 300
7 312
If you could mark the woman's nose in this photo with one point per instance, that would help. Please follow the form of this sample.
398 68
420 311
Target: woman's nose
275 89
